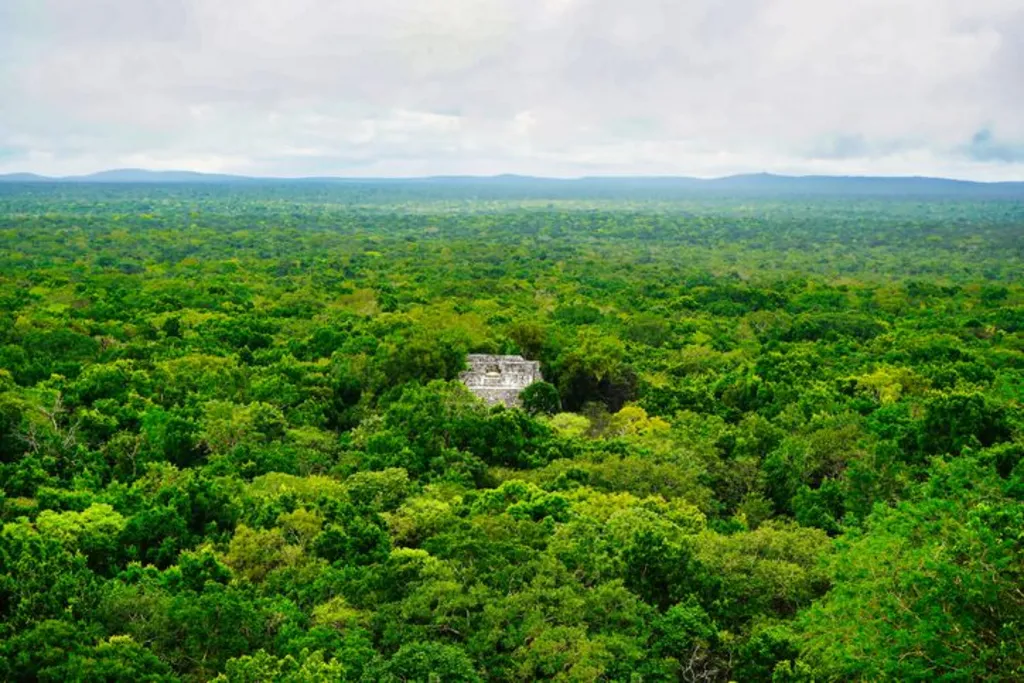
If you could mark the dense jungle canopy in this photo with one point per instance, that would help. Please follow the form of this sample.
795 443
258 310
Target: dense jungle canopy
780 438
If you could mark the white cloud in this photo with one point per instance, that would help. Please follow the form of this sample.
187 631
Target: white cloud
550 87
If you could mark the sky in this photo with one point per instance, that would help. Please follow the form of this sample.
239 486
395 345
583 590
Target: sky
542 87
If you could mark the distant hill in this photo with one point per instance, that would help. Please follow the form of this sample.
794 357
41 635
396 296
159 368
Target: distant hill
127 175
746 184
138 175
23 178
859 184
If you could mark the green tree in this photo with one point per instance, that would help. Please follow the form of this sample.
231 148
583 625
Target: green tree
541 398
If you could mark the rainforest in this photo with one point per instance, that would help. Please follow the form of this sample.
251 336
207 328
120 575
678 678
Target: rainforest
779 436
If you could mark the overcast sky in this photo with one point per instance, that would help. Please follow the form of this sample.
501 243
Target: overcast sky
543 87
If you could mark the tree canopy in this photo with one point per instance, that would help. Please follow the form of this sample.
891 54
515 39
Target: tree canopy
778 439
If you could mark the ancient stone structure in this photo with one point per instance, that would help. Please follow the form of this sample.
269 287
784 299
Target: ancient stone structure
499 379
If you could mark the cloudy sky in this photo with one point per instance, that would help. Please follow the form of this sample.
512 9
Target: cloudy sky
545 87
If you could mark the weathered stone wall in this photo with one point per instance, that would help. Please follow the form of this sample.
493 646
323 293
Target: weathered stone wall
499 379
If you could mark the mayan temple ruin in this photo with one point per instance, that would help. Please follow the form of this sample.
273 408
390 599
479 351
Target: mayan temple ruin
500 379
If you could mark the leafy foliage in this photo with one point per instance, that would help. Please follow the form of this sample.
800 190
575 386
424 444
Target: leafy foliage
779 439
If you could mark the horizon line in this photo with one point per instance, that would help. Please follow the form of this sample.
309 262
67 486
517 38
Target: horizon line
217 175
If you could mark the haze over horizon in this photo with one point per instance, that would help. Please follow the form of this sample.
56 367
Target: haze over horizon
556 88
